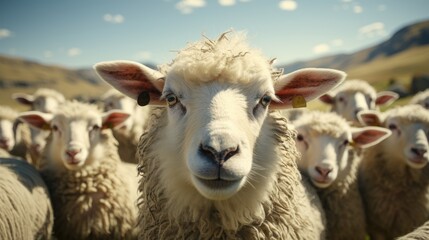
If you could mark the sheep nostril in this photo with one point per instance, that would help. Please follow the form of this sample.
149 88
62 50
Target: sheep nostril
218 156
72 153
419 151
323 171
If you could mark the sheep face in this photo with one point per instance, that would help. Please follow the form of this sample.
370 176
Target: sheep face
325 141
410 139
7 138
76 131
322 155
410 130
349 104
219 124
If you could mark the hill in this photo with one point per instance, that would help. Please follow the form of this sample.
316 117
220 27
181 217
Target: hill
401 57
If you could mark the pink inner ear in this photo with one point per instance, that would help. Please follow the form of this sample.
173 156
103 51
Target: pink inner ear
370 119
386 98
114 119
367 137
23 100
35 121
326 98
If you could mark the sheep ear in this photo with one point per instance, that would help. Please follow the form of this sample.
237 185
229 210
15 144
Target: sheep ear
114 118
370 118
327 98
133 79
386 98
369 136
37 119
297 88
23 98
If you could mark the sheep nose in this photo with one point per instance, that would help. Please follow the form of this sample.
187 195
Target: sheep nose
218 156
419 151
323 171
72 152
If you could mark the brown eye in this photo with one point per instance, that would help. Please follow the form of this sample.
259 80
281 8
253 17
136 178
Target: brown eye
341 99
171 99
265 101
346 142
55 128
95 128
299 137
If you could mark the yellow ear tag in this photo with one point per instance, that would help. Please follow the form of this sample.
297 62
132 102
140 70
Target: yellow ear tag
299 102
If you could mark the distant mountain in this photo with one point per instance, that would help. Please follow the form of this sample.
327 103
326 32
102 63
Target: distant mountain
401 56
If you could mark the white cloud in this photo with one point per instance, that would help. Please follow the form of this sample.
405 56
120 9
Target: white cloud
187 6
5 33
143 56
372 30
73 52
321 48
288 5
226 3
118 18
357 9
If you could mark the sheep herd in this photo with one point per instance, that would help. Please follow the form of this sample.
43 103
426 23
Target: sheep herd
210 147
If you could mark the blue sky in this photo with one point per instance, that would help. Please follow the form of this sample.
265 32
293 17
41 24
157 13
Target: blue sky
80 33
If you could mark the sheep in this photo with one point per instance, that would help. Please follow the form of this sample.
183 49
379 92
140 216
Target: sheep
129 132
93 193
217 161
394 176
44 100
25 207
331 152
14 137
356 95
421 98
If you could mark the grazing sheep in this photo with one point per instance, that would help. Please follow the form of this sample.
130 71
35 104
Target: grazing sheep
93 193
421 98
394 176
128 134
25 207
43 100
353 96
14 137
215 162
331 152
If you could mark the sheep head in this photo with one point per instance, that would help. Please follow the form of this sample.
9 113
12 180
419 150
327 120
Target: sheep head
325 140
76 131
410 130
217 100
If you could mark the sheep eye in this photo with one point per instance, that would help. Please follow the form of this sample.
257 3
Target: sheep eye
341 99
392 126
171 99
300 138
346 142
265 101
55 128
95 128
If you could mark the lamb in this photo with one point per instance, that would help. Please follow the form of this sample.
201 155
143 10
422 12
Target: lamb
354 96
217 161
14 137
331 152
93 193
129 132
394 176
421 98
43 100
26 210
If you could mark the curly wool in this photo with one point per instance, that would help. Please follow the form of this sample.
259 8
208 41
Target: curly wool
420 233
420 97
26 211
92 203
289 211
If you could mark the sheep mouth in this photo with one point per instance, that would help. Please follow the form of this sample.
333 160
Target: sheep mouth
218 183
